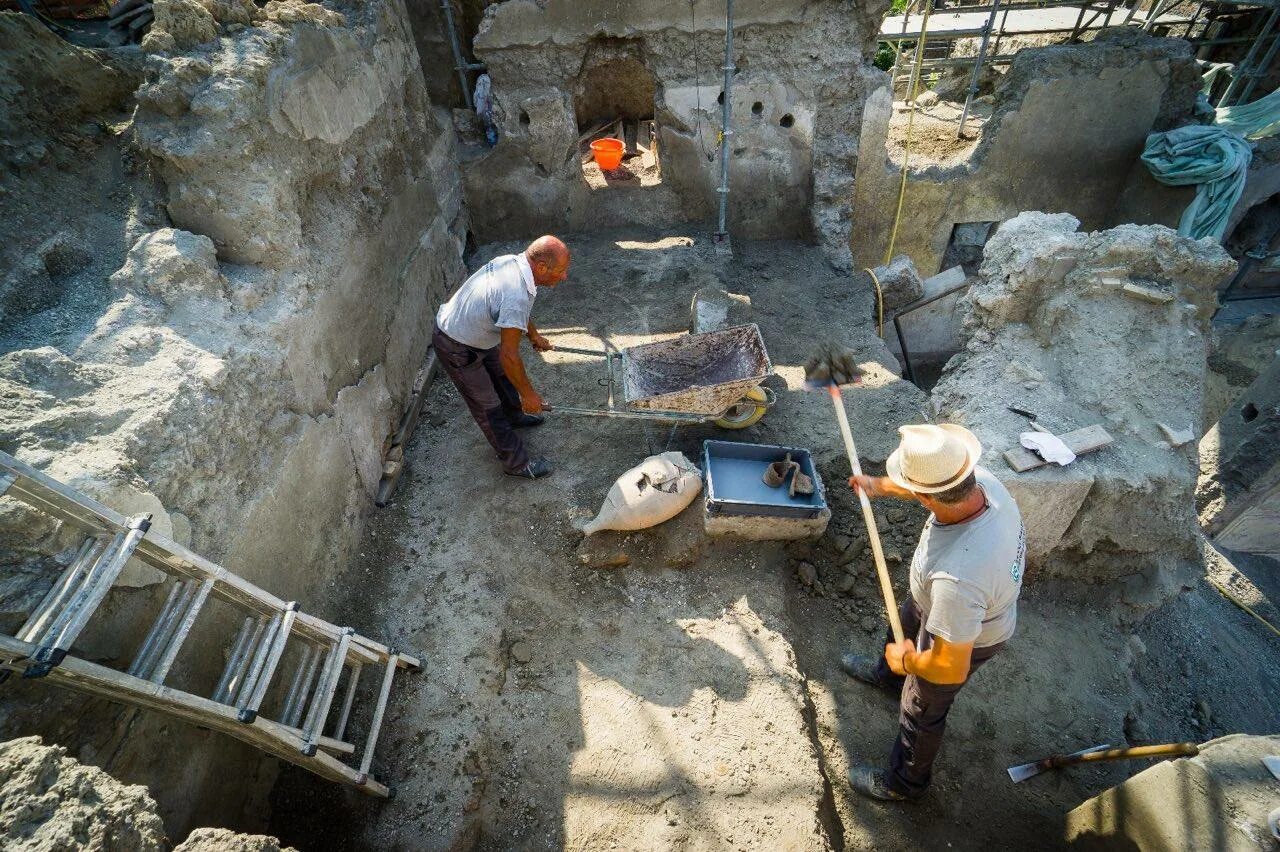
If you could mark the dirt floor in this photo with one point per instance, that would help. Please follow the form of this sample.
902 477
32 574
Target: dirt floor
691 696
935 137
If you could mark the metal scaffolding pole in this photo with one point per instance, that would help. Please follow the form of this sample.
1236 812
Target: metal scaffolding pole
1246 68
977 67
722 230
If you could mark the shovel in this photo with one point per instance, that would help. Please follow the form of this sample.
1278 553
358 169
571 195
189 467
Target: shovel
1100 753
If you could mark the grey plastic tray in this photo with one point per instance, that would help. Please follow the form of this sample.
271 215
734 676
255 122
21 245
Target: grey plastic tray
733 474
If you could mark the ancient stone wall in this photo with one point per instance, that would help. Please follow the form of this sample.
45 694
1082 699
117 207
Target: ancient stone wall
1107 328
1068 125
251 354
803 73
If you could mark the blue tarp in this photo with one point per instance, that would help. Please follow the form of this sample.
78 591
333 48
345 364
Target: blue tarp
1214 160
1252 121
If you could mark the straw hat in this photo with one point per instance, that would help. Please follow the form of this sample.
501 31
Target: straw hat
933 458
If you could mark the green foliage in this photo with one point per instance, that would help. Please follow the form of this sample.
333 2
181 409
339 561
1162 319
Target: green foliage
884 55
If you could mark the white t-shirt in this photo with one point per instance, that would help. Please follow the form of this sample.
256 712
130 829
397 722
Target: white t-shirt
966 577
499 295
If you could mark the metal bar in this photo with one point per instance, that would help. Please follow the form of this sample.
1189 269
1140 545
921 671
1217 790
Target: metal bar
1246 64
52 651
233 660
58 592
627 414
241 663
722 232
295 685
906 356
459 64
977 67
174 645
254 670
249 709
159 626
366 760
1255 73
352 680
93 574
308 668
323 699
321 685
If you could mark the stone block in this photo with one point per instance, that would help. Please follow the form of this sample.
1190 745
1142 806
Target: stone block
1217 800
900 284
714 308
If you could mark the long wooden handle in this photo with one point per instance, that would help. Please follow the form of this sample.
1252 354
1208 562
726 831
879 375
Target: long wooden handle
1166 750
886 589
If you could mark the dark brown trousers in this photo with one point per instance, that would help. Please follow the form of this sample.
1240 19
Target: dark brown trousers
922 709
490 396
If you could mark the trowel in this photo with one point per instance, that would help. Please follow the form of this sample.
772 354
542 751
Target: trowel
1099 753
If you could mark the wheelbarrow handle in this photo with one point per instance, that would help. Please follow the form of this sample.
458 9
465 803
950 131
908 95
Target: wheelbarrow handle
599 353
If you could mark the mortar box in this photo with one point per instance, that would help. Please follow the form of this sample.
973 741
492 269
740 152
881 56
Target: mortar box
737 502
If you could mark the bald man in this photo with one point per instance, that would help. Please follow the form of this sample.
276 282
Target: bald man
477 340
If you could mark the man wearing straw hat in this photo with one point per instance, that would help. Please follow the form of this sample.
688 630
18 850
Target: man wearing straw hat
965 578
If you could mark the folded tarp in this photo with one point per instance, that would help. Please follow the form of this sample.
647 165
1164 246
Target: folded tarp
1211 158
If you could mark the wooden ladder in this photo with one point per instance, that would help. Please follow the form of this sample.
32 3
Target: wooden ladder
325 656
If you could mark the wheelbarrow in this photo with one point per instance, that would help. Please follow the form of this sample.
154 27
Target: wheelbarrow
709 377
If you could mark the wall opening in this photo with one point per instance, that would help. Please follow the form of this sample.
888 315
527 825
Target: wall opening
615 97
964 249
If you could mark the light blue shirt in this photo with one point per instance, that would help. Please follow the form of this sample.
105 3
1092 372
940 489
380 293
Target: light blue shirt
499 295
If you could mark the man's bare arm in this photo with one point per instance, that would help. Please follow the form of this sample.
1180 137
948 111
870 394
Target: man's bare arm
880 486
536 340
509 355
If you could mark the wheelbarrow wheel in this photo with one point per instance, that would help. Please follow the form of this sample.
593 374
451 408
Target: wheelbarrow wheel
747 411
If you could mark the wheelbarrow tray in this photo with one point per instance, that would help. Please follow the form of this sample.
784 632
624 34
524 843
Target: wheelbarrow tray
704 374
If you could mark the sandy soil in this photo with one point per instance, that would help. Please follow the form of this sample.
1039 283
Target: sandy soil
692 699
934 139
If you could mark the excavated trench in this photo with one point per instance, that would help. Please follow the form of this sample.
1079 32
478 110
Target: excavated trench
233 338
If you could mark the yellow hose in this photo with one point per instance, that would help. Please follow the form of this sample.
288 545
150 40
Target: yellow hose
913 90
879 302
1244 606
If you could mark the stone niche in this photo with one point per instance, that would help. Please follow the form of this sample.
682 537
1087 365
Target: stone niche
561 68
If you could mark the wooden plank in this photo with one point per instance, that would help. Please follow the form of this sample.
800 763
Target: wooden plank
1080 442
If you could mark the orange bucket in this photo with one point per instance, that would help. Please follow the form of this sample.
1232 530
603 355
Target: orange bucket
607 153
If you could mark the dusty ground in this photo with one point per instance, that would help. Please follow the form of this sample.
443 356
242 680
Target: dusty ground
934 133
692 699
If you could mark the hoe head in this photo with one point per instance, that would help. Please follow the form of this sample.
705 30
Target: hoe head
830 365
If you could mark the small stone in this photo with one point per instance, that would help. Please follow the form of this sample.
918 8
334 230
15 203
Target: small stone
870 623
896 514
807 573
521 652
845 583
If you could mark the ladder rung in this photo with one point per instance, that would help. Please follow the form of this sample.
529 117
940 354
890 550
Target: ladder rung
352 679
248 710
59 591
161 628
323 699
244 685
66 627
366 760
291 710
162 666
250 630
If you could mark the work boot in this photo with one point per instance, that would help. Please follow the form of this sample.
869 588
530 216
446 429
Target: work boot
535 469
525 421
863 668
869 781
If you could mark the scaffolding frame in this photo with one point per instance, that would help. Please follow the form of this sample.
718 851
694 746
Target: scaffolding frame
1199 28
